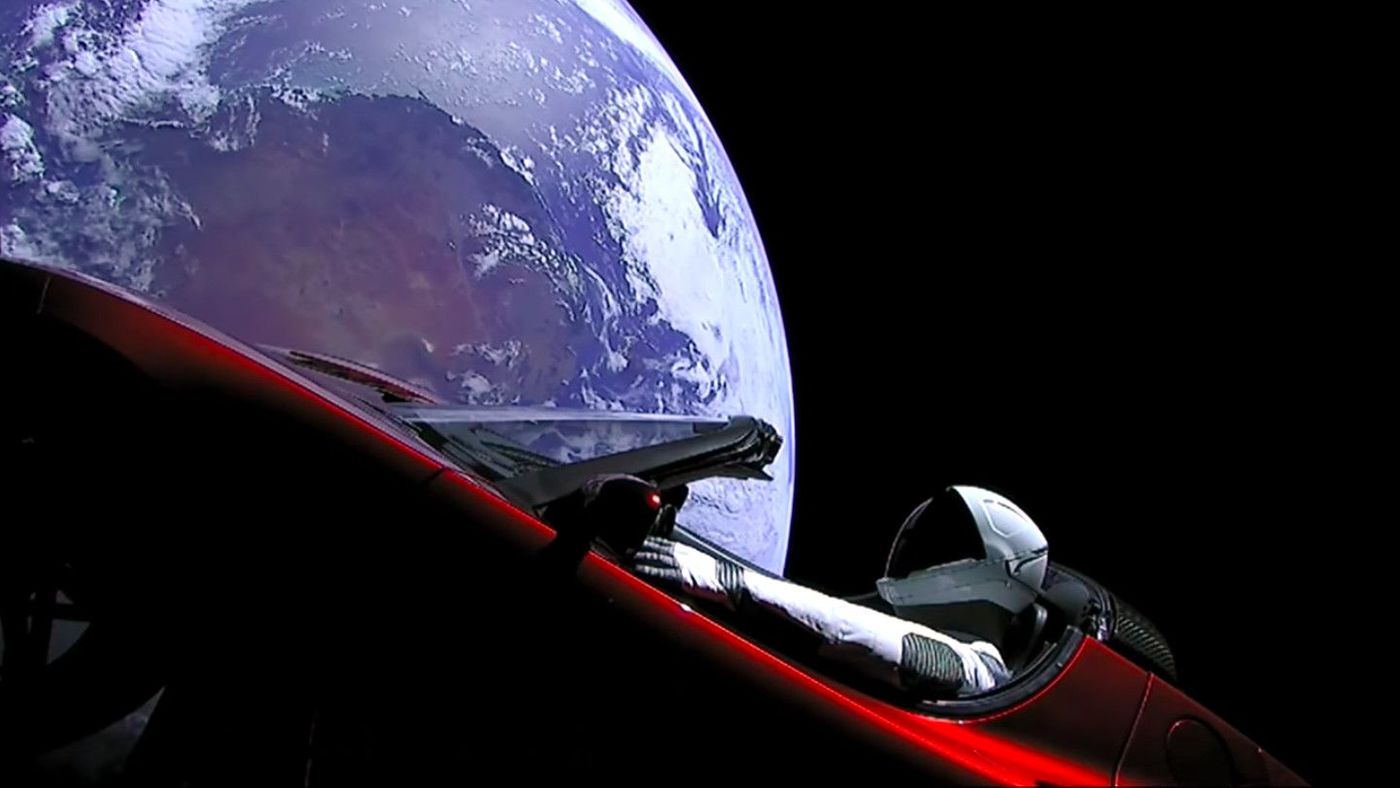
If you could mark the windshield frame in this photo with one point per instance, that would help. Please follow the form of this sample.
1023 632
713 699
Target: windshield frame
739 447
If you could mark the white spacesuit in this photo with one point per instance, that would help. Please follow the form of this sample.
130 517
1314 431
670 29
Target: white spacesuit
892 648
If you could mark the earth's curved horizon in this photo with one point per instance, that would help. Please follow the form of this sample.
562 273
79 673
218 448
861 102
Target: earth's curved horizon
508 202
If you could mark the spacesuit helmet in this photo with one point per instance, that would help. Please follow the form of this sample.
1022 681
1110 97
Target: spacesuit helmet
967 561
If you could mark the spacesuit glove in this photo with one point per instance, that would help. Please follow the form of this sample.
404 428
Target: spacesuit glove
696 573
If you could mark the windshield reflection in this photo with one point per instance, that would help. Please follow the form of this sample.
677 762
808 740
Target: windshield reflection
502 442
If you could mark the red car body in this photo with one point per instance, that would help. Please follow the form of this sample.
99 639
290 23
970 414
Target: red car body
1099 719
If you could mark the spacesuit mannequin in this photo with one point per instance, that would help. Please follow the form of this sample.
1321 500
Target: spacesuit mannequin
892 648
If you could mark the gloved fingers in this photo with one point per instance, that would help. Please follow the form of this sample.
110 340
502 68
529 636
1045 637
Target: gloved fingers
652 556
657 559
658 545
694 571
669 575
669 563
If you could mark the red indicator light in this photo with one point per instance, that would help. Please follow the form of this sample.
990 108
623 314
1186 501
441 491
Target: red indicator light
654 500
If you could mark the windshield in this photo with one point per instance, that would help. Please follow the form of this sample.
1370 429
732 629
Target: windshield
537 455
501 442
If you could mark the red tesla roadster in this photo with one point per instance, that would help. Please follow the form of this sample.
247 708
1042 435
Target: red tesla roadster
229 565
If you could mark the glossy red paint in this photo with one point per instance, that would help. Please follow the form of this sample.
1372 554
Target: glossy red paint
1090 708
1102 720
1178 741
184 353
1008 748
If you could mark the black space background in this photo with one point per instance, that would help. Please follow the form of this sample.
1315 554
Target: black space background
1079 262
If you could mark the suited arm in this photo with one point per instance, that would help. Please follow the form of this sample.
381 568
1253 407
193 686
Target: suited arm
901 653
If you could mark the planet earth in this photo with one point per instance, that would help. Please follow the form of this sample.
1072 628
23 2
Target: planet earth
512 202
